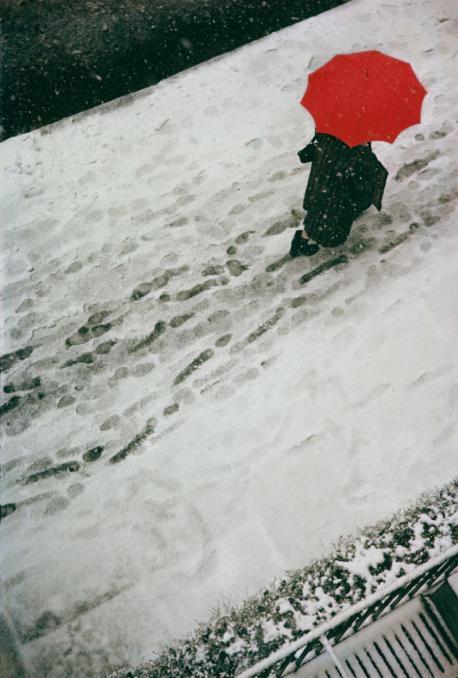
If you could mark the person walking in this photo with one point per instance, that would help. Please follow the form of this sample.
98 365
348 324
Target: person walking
354 98
343 182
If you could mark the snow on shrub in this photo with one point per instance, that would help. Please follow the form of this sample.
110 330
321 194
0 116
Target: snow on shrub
308 597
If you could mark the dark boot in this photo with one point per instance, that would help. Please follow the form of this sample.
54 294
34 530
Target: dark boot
302 247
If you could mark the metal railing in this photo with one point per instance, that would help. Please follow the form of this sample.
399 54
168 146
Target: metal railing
322 639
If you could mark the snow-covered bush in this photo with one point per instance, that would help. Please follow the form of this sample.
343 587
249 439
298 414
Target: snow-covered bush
308 597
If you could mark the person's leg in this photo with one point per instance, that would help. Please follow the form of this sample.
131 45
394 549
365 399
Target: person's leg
301 245
306 237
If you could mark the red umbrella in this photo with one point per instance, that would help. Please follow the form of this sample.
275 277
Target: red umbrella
364 96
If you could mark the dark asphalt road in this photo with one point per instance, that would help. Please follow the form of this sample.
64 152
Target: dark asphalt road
60 57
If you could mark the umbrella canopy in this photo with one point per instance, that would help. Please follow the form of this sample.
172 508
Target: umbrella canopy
364 96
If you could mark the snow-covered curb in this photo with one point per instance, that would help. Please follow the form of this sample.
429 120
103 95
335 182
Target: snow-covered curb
305 598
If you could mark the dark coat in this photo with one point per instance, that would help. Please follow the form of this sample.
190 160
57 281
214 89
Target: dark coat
343 182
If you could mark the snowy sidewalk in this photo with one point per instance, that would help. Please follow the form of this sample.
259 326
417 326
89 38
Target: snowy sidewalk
186 415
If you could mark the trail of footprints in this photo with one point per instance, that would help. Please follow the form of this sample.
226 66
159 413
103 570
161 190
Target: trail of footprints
241 297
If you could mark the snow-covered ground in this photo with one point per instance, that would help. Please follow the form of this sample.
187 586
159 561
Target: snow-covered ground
192 420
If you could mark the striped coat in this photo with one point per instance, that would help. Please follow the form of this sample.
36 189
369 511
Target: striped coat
343 182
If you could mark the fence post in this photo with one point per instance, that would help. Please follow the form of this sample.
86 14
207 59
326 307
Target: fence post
328 647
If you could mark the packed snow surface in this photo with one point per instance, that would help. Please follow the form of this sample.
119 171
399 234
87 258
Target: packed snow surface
183 418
